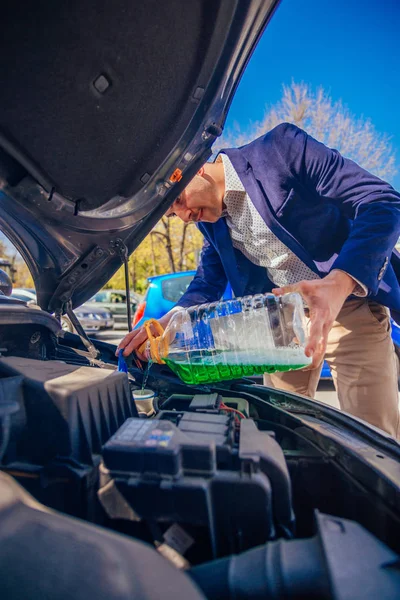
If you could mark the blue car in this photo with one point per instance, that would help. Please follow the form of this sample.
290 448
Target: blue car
164 292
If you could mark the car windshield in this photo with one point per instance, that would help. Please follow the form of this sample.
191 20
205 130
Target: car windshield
117 297
99 297
174 287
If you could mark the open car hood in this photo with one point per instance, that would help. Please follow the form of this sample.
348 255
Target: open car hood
106 112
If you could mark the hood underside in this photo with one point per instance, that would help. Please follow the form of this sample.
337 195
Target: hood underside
100 103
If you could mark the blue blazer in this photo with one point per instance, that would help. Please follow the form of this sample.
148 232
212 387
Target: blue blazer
325 208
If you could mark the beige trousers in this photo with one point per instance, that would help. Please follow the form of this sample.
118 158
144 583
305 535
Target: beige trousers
363 363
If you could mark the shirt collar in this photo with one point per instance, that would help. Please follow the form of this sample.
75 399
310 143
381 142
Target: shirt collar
232 182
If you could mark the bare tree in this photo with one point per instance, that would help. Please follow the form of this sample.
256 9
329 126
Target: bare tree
182 253
166 238
329 122
178 239
153 255
133 272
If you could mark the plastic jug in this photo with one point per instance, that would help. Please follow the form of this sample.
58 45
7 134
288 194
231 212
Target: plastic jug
231 339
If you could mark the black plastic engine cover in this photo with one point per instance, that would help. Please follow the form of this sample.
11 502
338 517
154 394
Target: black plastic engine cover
64 414
194 468
70 411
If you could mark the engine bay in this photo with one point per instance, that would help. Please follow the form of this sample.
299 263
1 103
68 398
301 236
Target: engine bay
224 482
236 472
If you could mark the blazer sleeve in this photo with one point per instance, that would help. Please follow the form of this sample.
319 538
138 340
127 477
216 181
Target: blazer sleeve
209 283
372 204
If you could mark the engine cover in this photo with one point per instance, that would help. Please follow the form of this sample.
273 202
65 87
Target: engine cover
66 413
199 470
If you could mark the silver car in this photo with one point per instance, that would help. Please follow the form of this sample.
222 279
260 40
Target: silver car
91 317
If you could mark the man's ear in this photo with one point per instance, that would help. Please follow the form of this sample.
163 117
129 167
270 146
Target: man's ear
201 171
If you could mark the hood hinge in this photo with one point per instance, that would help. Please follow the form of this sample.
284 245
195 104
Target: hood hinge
92 350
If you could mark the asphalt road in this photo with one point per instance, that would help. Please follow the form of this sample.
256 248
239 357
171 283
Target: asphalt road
326 392
113 336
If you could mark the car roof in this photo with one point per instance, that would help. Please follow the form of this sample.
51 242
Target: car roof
109 291
170 276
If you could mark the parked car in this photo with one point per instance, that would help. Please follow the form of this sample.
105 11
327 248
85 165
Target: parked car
90 316
94 318
115 302
105 116
162 293
25 295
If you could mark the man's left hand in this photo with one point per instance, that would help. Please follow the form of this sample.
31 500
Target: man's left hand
324 299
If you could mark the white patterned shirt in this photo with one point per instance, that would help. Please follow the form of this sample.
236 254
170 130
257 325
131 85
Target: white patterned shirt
251 235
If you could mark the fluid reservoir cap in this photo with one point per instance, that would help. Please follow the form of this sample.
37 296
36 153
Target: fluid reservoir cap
144 401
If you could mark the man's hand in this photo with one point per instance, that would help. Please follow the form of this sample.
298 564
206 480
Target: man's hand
324 298
133 340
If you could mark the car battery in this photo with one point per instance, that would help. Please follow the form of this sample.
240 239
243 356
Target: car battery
199 470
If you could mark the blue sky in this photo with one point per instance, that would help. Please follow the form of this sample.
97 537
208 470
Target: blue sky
349 47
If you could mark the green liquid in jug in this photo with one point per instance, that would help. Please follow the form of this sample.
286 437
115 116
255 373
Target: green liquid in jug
208 367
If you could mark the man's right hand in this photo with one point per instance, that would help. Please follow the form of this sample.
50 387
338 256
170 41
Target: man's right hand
134 339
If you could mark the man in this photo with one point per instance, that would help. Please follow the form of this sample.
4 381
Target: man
285 213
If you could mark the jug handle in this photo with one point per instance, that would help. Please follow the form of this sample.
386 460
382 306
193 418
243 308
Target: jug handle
155 340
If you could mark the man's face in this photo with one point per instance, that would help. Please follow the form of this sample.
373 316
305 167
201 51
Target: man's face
199 201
